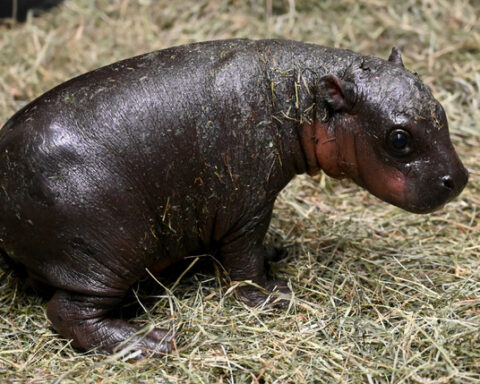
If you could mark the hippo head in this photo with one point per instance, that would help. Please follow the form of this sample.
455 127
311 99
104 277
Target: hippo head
379 125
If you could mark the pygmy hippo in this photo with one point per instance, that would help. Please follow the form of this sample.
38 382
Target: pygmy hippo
183 151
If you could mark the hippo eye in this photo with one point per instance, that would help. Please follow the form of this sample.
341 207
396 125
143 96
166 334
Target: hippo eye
399 141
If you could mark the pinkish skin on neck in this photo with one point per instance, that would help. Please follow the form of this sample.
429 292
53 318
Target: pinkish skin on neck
338 157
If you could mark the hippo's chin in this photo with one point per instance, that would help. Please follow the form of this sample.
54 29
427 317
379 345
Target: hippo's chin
421 209
414 201
426 202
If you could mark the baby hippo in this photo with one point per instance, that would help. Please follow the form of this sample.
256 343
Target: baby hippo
136 165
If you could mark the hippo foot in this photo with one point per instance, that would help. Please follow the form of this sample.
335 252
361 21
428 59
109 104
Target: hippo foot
255 297
84 320
154 343
119 336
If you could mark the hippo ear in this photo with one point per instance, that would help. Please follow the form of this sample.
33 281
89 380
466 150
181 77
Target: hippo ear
396 57
337 93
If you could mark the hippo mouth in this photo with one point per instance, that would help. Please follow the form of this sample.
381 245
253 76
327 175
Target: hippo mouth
420 191
440 190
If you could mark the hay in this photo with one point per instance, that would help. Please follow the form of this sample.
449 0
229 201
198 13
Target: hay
381 296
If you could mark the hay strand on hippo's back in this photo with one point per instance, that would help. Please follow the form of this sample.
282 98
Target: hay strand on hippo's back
380 295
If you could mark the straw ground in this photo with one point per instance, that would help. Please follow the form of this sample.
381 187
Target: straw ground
380 295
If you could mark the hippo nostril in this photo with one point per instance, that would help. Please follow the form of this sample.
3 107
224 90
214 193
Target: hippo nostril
448 182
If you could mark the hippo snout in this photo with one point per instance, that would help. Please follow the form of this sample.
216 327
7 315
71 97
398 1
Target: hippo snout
427 194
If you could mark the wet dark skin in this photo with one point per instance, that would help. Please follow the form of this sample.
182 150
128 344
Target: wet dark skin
183 151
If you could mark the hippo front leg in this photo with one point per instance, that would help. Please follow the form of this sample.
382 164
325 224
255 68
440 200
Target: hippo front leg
243 255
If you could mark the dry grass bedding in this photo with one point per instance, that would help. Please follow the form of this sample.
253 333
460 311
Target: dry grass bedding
380 295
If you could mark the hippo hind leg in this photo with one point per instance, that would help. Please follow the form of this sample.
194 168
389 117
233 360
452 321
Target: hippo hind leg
84 319
85 305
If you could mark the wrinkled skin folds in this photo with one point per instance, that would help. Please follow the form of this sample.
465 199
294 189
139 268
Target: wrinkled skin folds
183 151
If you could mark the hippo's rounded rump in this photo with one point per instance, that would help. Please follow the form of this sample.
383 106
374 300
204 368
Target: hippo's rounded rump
97 167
